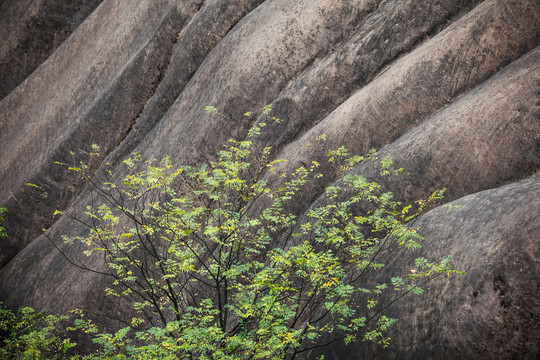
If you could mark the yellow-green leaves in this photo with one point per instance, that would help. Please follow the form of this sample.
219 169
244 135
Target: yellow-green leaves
3 232
215 256
27 334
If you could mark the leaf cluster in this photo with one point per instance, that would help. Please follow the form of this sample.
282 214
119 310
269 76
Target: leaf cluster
27 334
216 266
3 232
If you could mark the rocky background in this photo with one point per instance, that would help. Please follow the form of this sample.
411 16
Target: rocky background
449 88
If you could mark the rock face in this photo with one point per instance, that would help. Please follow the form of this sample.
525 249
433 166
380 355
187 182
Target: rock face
31 31
494 235
450 89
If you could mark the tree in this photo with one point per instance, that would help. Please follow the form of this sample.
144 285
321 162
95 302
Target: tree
217 267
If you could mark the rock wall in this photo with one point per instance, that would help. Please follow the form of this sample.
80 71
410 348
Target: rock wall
492 311
31 31
450 89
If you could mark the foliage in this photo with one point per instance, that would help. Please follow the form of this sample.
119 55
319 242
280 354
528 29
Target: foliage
31 335
218 267
2 229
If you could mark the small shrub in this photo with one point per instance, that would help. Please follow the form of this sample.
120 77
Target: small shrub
27 334
3 232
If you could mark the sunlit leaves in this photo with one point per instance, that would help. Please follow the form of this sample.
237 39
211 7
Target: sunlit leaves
3 232
216 259
28 334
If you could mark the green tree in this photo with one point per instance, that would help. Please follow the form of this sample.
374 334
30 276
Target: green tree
217 267
31 335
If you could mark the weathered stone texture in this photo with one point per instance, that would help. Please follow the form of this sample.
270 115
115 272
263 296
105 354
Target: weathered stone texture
449 88
491 312
31 31
71 102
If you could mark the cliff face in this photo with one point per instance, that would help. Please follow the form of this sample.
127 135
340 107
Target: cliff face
31 31
450 89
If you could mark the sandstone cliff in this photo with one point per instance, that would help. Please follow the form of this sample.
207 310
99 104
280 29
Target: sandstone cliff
449 88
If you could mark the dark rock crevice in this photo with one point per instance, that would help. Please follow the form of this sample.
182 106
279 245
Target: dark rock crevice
31 31
337 42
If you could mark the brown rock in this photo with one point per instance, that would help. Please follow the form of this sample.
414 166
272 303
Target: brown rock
448 88
31 31
414 88
491 312
71 102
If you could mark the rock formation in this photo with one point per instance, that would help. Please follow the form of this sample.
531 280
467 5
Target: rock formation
450 89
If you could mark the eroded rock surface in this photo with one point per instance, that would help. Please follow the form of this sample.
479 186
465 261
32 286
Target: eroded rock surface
450 89
31 30
494 237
